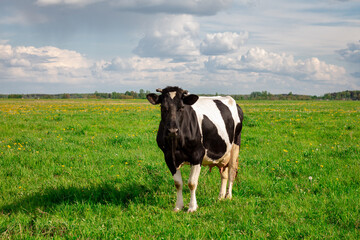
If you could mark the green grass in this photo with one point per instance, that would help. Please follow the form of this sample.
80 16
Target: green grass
92 169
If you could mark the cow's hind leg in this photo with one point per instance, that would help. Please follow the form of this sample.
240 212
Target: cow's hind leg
179 187
233 167
193 182
224 172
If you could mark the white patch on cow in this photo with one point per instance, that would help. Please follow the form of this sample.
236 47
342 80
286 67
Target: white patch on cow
234 111
193 182
172 94
179 186
207 106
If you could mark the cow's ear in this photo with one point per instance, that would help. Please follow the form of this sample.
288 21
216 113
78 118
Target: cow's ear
153 98
190 99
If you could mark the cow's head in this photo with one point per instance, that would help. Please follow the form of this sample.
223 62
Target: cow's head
172 101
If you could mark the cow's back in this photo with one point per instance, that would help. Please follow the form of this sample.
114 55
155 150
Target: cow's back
217 118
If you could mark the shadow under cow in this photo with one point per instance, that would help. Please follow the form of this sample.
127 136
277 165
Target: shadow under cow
95 194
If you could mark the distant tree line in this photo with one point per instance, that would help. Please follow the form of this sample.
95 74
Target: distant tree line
345 95
97 95
264 95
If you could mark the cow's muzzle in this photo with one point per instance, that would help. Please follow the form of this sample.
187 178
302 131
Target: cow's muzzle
173 132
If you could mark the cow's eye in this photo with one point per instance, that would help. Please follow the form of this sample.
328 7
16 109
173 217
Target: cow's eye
181 109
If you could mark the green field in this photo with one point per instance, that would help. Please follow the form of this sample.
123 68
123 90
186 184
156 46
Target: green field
91 169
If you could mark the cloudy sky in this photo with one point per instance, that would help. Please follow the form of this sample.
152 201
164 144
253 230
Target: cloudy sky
205 46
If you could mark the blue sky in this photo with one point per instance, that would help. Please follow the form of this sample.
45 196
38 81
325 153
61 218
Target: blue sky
224 46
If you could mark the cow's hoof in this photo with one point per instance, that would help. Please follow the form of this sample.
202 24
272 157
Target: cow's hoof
178 209
192 209
228 196
221 197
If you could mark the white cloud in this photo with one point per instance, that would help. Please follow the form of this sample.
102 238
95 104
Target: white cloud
5 51
45 64
260 61
351 53
51 65
117 64
258 69
147 73
222 43
171 37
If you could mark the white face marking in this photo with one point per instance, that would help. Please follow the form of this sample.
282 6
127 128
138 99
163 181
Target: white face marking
172 94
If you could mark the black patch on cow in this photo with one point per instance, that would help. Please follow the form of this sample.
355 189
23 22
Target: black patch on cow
189 147
212 141
239 126
238 133
228 119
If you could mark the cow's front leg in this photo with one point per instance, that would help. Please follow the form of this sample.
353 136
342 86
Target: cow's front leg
179 187
193 182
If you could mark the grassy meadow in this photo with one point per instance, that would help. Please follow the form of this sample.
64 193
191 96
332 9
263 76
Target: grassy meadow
91 169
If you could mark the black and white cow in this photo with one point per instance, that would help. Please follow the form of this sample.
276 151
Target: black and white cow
199 131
